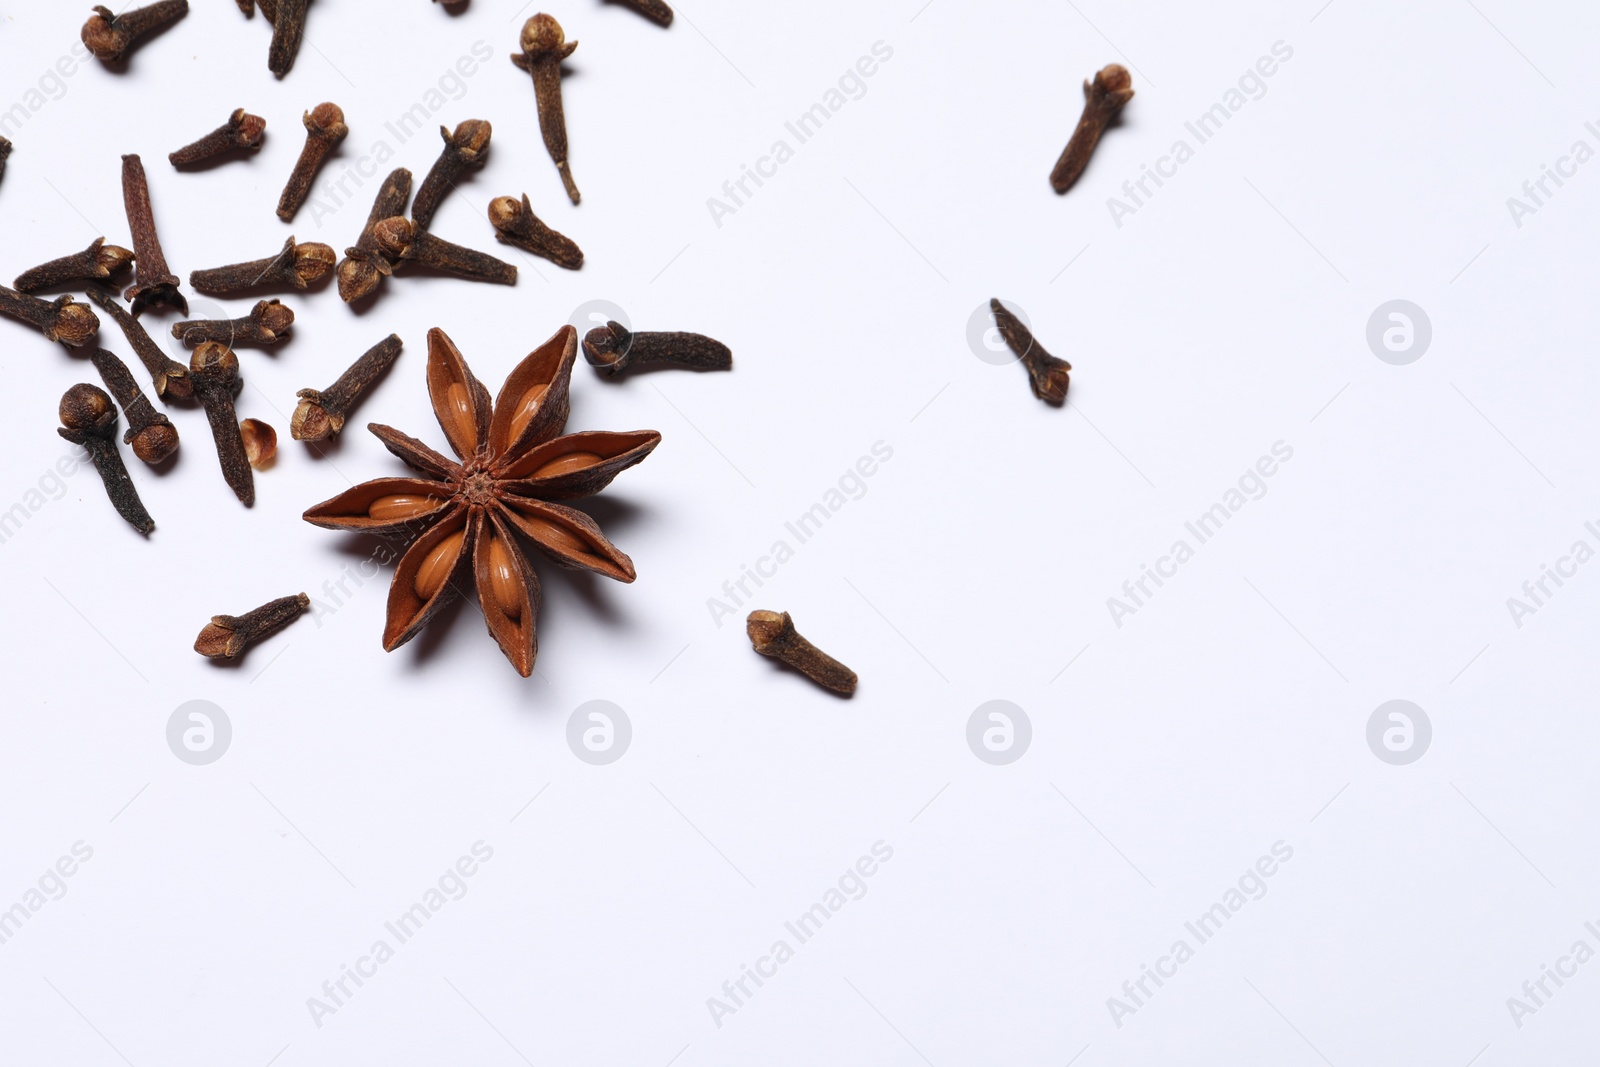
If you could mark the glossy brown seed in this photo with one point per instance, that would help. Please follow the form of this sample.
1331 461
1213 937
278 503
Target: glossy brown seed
773 634
325 128
544 45
171 378
1048 375
215 370
96 263
267 324
288 29
515 224
321 413
89 418
260 443
612 350
1103 100
226 637
109 35
400 239
153 283
60 319
464 150
150 433
242 131
365 265
295 266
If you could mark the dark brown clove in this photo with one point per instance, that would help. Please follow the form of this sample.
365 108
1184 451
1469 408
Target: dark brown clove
267 324
260 443
226 637
149 431
5 154
544 46
241 131
654 10
288 19
1048 375
1103 100
89 418
321 413
325 128
96 263
464 150
215 370
153 283
295 267
612 350
773 634
515 224
400 239
248 7
365 265
60 319
171 378
109 35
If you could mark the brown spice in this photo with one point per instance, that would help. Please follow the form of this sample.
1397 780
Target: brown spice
544 45
242 131
150 433
215 370
325 128
321 413
5 154
400 239
612 350
464 150
365 265
654 10
1102 103
153 283
96 263
296 266
227 636
267 324
89 418
260 443
171 378
109 35
1047 375
288 19
61 320
515 224
773 634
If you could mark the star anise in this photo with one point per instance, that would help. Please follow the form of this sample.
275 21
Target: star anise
514 465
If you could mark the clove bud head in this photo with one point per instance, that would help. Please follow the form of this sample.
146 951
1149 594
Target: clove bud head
102 37
75 324
542 33
311 420
313 261
109 259
1114 80
248 129
88 409
504 212
154 443
471 138
395 235
213 362
326 120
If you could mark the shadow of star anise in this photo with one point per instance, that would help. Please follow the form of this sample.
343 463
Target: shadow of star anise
515 463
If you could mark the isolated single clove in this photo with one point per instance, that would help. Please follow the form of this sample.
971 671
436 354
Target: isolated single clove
226 637
96 263
150 433
241 131
170 378
325 128
109 35
515 224
612 350
654 10
295 267
1048 375
59 319
260 443
464 150
153 283
322 412
365 265
267 324
288 19
215 370
400 239
89 418
1103 100
544 45
773 634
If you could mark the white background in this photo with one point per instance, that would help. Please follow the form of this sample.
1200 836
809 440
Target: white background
1226 314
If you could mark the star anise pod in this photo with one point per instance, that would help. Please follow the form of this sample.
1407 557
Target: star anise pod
515 464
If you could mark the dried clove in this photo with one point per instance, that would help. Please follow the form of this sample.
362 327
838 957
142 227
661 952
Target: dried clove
248 7
464 150
1102 103
515 224
654 10
227 636
267 324
171 378
1048 375
149 431
400 239
109 35
215 370
325 128
321 413
153 283
59 319
260 443
241 131
773 634
544 45
295 267
612 350
96 263
365 265
288 19
5 154
89 418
